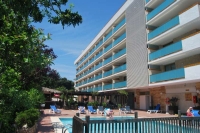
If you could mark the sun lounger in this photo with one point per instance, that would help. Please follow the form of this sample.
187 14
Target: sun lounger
156 110
100 110
81 109
91 110
54 109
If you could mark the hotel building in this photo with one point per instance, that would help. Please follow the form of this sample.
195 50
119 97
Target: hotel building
149 48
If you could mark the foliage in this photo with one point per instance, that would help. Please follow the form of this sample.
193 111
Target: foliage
119 105
28 117
173 101
25 60
104 104
123 92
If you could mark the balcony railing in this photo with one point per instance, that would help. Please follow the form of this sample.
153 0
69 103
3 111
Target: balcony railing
108 48
107 87
99 88
99 65
108 60
168 75
120 24
99 54
98 77
108 73
159 9
120 68
163 28
147 1
120 53
175 47
108 36
120 84
119 39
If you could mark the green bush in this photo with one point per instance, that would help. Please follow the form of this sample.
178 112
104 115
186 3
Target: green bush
28 117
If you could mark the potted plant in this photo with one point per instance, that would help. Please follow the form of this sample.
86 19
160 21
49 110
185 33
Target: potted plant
119 106
173 108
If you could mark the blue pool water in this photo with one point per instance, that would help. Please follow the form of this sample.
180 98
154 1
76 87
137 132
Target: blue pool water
66 121
143 126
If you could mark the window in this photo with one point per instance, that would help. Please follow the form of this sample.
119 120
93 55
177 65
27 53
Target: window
170 67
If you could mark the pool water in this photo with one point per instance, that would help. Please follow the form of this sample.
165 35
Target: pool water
66 121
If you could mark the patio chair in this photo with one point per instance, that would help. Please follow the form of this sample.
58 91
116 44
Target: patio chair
122 111
156 110
91 110
81 109
196 113
127 109
54 109
100 110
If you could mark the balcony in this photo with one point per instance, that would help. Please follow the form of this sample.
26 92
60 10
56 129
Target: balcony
98 77
119 39
119 25
159 9
168 75
163 28
120 68
108 36
120 53
176 27
108 48
119 84
107 73
98 66
147 1
99 88
107 87
108 60
175 47
99 54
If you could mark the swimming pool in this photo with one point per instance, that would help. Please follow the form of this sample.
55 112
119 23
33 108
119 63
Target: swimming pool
131 125
66 121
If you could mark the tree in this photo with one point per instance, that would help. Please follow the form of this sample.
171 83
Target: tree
24 57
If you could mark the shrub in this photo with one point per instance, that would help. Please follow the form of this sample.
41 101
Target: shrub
28 117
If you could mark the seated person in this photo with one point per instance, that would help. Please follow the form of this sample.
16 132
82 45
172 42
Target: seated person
109 112
189 112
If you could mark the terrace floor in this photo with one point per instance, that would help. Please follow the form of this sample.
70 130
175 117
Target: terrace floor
45 122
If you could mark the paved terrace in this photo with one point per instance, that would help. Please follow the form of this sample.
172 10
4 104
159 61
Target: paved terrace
45 123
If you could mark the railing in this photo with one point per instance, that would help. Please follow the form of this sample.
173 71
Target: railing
175 47
107 87
99 65
159 9
99 88
107 73
120 24
108 48
120 68
108 36
120 53
120 38
137 125
98 77
108 60
163 28
168 75
147 1
120 84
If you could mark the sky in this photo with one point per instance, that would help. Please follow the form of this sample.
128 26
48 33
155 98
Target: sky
68 43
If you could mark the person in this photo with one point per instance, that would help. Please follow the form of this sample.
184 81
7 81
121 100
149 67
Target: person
189 112
109 113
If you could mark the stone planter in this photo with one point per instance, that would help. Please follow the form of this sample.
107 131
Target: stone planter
173 110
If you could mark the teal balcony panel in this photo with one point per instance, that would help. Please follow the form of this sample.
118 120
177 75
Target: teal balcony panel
168 75
98 77
99 65
163 28
108 60
120 38
108 36
90 90
120 53
120 84
119 25
120 68
90 80
107 73
99 88
175 47
159 9
107 87
147 1
99 54
99 44
108 48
